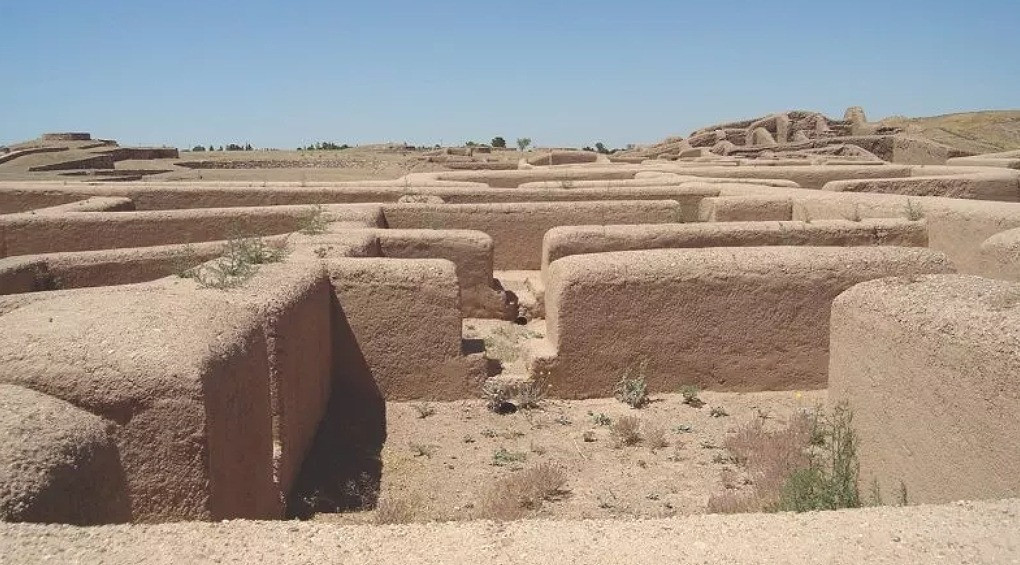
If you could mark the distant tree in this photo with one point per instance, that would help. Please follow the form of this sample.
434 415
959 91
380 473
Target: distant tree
601 148
247 147
470 144
523 143
198 148
234 147
221 148
499 142
211 148
587 148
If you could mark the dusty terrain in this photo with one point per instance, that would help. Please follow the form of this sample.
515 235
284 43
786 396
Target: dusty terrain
369 162
677 464
467 441
971 532
979 132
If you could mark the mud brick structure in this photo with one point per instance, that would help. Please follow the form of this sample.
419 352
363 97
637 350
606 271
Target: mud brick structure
143 380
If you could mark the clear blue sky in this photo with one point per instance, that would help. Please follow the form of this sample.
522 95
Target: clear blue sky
567 72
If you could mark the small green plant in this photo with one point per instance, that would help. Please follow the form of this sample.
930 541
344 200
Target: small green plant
718 412
502 396
489 433
683 428
239 262
315 222
631 388
829 482
183 264
914 212
423 409
502 457
690 394
601 419
563 420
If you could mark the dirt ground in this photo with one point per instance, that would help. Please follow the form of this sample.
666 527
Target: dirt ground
442 458
357 163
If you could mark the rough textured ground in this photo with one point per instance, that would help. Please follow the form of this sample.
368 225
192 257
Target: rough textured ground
980 132
372 162
971 532
444 465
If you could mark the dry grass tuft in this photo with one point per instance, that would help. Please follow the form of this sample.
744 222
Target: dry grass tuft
626 431
517 496
396 511
655 438
770 458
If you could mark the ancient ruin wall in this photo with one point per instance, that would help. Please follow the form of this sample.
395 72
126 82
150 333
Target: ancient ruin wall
928 365
719 318
575 240
517 229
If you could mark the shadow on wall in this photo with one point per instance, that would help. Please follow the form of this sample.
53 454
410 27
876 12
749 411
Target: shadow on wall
343 468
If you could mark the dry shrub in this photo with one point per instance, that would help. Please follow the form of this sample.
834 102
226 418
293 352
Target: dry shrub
516 496
395 511
632 389
522 395
655 438
626 431
770 457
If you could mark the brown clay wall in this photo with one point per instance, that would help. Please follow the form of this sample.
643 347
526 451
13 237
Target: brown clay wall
1000 255
929 365
470 251
92 204
398 326
181 375
744 319
58 464
13 200
517 229
292 302
989 184
25 234
576 240
805 176
745 209
513 179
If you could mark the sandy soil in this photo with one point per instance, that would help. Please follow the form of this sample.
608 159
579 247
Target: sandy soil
357 163
969 532
466 442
